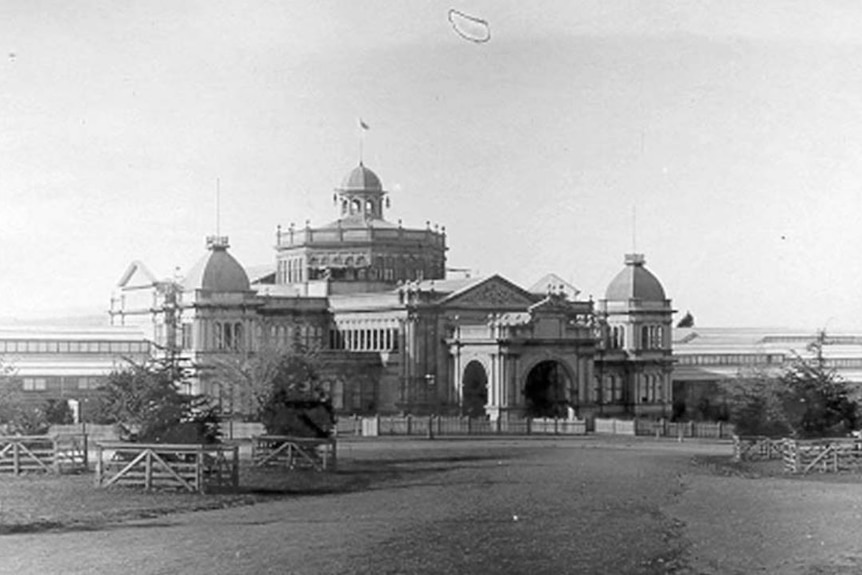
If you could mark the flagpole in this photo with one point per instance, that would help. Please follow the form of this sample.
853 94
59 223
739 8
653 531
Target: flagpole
363 127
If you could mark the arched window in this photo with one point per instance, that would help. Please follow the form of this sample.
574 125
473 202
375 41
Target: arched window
369 207
227 336
355 207
645 337
344 207
237 336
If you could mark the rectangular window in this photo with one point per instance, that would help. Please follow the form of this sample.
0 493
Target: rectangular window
217 335
89 382
35 384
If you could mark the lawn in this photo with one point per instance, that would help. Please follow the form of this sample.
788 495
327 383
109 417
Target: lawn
39 502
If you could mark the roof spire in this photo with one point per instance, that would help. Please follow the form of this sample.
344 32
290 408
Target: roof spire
218 206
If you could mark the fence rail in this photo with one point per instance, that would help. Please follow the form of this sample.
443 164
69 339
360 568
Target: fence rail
757 448
43 453
195 468
432 426
294 452
682 429
822 455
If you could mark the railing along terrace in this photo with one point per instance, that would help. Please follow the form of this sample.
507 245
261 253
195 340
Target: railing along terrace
306 236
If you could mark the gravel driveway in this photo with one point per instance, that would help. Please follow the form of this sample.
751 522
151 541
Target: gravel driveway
492 506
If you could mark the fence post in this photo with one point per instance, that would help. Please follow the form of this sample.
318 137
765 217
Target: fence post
86 453
430 427
99 465
529 425
16 457
439 426
55 464
556 428
234 472
469 425
409 424
199 470
148 470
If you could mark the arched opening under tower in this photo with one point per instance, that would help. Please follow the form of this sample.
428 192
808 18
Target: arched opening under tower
545 390
474 390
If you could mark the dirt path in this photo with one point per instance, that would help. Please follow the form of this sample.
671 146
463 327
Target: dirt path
487 507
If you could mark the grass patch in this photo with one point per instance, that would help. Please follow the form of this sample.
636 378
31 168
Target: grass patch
37 503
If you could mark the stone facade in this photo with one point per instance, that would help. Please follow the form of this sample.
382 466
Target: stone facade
367 293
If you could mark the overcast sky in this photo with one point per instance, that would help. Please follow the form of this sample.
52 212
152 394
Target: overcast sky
722 139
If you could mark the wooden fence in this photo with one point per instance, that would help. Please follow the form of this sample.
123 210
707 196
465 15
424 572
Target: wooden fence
615 426
294 452
43 453
195 468
757 448
823 455
683 429
433 426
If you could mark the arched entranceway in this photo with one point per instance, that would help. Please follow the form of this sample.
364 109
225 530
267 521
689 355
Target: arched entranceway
474 390
545 390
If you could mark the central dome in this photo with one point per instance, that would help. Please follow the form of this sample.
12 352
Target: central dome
361 179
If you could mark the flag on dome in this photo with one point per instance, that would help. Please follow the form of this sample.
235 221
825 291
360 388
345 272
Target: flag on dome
363 125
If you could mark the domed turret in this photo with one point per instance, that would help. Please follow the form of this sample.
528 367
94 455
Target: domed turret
361 195
635 282
218 271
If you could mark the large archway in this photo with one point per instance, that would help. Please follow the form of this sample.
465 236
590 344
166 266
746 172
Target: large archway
545 390
474 390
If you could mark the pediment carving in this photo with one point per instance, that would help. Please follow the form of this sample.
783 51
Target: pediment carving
493 294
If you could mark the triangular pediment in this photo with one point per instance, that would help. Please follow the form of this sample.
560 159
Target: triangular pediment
136 276
554 284
493 293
